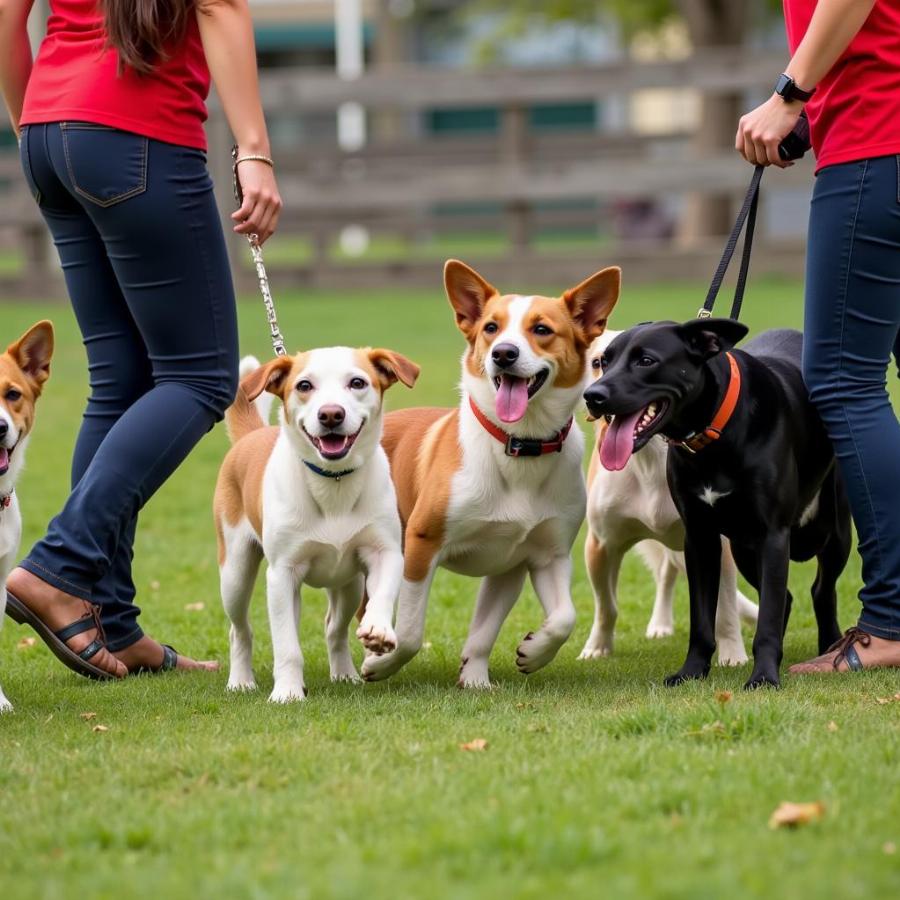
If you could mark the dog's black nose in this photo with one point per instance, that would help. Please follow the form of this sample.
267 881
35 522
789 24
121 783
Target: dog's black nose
596 394
331 415
504 355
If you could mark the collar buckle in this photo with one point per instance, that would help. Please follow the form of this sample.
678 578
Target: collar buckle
517 446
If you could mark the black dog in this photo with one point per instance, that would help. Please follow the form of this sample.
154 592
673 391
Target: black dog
749 459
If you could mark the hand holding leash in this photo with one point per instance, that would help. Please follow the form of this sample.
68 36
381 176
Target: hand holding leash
256 193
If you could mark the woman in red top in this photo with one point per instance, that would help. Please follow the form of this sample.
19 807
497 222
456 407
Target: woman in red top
846 71
110 123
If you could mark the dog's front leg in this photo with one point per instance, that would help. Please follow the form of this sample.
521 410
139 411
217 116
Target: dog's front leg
552 584
728 624
703 561
603 561
5 705
768 643
282 585
384 576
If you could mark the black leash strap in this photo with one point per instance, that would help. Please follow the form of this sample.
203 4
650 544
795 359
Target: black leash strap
746 215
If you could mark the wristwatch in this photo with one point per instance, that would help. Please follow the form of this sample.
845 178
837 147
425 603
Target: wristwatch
787 89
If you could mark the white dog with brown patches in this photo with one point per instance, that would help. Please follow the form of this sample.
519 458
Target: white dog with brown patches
314 496
634 506
495 489
24 368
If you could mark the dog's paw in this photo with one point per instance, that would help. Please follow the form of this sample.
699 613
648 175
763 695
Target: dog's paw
589 651
375 637
288 692
346 676
686 673
473 675
536 650
732 653
5 705
657 629
377 667
762 679
240 682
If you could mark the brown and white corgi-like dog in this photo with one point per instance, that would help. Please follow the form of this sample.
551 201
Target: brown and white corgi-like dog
494 488
24 368
314 496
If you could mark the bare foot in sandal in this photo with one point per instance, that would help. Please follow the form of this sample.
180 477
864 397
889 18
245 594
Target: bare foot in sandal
855 651
147 655
68 625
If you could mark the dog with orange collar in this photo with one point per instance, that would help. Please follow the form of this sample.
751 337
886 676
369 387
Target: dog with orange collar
494 488
748 459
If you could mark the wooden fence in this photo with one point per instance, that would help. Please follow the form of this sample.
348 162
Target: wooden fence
409 186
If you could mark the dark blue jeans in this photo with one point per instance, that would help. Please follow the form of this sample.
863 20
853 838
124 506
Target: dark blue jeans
142 249
852 325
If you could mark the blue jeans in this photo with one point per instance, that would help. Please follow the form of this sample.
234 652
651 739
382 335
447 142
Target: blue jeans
141 245
852 326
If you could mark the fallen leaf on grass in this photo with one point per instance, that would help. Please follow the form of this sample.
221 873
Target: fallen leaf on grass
794 814
154 585
832 727
889 848
26 642
195 607
475 745
100 728
724 697
88 716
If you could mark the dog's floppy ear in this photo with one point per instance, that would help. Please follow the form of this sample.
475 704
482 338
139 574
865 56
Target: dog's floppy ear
707 337
392 367
591 303
32 352
467 292
269 377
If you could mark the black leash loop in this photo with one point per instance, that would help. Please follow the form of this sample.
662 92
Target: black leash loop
747 215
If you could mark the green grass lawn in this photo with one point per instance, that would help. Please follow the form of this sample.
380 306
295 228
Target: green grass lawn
596 781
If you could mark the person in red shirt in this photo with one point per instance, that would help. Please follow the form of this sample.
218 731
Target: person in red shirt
110 123
845 71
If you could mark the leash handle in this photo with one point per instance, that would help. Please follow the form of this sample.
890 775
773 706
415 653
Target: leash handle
256 252
747 215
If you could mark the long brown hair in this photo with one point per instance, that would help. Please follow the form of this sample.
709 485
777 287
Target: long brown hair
143 30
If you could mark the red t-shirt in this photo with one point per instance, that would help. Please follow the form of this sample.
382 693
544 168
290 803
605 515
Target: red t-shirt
76 78
855 112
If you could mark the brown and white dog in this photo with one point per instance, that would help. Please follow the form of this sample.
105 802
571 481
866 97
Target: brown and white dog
634 506
495 488
24 368
314 496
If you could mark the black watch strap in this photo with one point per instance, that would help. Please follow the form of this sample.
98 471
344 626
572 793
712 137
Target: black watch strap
788 90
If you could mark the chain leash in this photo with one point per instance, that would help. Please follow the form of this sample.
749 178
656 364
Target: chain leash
256 252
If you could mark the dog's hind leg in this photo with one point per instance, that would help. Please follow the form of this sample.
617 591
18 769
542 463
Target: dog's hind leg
342 604
237 574
496 597
729 639
603 562
832 558
664 565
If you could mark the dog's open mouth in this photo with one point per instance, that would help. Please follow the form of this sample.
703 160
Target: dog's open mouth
5 457
332 445
628 433
514 392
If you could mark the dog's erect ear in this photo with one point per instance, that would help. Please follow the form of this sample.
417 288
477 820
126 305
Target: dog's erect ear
269 377
708 337
33 350
393 367
591 303
467 292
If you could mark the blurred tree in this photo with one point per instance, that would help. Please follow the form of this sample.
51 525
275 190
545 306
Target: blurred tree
709 24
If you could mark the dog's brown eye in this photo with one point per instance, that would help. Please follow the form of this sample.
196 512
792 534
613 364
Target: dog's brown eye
542 330
357 384
595 363
13 395
304 386
491 328
646 361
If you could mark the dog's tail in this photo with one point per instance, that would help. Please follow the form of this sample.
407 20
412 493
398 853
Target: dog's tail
246 415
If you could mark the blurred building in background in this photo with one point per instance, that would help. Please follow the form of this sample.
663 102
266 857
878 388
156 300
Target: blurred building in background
533 145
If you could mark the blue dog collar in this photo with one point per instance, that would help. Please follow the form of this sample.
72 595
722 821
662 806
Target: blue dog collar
325 473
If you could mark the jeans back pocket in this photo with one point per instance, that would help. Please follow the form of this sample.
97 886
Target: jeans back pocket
105 165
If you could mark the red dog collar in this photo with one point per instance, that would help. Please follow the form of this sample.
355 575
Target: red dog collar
713 431
516 446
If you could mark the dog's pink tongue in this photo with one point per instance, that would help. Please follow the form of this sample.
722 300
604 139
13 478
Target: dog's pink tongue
332 443
618 442
4 459
512 398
